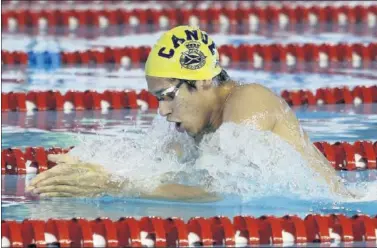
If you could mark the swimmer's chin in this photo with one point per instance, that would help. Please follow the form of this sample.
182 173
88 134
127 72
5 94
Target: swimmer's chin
197 135
190 133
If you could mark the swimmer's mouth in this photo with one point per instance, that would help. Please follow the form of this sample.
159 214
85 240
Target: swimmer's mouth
179 127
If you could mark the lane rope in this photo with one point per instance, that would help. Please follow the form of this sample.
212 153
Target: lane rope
306 57
359 155
215 18
197 231
144 100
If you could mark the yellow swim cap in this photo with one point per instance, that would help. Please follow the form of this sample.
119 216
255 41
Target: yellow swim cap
184 52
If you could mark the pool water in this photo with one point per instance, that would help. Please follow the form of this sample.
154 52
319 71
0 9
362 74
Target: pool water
50 128
323 123
18 207
86 129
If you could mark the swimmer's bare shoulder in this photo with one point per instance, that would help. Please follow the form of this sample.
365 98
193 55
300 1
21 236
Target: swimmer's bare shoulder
253 103
257 105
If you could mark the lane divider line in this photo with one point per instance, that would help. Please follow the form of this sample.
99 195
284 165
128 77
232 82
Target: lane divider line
359 155
214 19
129 99
154 231
308 57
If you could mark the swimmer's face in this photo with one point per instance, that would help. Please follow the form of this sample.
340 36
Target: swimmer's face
180 103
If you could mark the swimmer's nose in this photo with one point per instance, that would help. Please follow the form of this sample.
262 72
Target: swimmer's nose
164 108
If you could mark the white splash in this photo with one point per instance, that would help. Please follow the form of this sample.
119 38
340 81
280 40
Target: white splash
254 163
142 158
236 159
366 190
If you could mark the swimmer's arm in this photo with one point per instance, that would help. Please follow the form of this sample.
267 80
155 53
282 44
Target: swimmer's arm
256 105
299 139
180 192
74 178
167 191
321 165
171 192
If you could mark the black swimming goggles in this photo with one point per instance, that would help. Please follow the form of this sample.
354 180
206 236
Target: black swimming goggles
170 93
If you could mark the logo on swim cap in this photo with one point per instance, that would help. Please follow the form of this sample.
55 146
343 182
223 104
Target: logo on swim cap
192 59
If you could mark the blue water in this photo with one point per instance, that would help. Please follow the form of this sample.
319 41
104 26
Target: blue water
15 205
330 123
49 128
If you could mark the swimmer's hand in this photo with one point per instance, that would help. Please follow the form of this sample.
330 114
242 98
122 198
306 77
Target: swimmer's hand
73 178
338 187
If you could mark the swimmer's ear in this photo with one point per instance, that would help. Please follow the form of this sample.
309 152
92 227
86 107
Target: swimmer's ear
203 84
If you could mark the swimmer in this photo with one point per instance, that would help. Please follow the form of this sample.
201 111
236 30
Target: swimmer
197 95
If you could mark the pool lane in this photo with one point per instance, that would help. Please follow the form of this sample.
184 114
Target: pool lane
47 128
17 205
